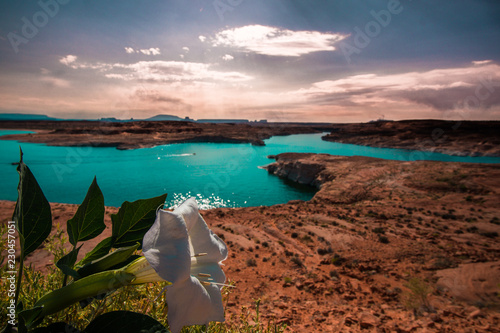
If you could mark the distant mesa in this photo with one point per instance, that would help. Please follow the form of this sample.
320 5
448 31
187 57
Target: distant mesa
226 121
167 117
159 117
113 119
25 116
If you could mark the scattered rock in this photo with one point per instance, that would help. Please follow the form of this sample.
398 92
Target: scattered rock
367 320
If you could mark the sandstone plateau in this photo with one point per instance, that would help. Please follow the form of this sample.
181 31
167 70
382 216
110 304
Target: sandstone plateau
465 138
348 260
140 134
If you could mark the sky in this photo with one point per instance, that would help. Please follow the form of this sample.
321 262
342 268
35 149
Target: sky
295 60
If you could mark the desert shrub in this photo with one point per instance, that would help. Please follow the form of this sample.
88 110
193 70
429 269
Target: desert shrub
297 261
323 251
337 260
495 220
489 234
443 263
472 229
307 238
334 274
251 262
383 239
417 298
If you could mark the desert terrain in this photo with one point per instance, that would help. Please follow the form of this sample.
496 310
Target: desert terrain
465 138
384 246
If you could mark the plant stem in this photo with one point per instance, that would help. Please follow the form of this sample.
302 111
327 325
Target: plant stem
19 277
65 280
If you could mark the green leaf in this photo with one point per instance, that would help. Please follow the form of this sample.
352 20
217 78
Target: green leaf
126 262
66 263
124 322
89 286
108 261
99 251
31 317
88 221
134 219
32 213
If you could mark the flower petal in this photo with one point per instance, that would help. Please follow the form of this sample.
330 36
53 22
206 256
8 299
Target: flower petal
212 269
203 240
190 303
166 247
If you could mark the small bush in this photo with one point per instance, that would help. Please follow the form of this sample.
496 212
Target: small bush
495 220
472 230
307 238
337 260
297 261
383 239
251 262
324 251
334 274
417 298
489 234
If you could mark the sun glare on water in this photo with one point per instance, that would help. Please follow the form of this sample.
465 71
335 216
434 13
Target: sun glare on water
204 202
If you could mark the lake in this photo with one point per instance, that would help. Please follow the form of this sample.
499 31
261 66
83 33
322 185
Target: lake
219 175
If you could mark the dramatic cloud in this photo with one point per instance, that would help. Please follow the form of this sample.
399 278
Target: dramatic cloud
68 60
150 51
441 89
169 71
482 62
275 41
159 71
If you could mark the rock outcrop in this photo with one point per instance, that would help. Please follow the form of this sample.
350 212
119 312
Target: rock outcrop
300 168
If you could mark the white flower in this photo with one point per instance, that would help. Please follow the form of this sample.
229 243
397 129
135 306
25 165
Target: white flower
184 251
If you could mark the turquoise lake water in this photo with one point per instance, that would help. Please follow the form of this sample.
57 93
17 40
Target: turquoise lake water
219 175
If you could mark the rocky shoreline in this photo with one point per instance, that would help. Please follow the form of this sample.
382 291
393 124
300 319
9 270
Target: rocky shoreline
465 138
142 134
352 258
462 138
